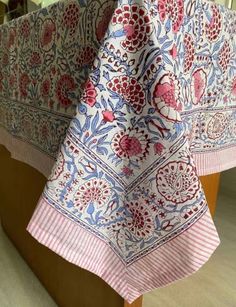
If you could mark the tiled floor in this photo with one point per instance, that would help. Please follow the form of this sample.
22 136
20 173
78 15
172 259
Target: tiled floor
213 286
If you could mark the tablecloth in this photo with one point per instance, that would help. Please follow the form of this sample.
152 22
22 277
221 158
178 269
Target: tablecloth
135 100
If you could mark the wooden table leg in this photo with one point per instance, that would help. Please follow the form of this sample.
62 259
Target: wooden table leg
210 184
137 303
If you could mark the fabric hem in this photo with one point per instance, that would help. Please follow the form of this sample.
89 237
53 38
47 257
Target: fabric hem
220 160
173 261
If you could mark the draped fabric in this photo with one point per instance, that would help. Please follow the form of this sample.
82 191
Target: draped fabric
157 109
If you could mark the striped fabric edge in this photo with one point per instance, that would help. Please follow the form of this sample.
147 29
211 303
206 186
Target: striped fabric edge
27 153
178 258
215 162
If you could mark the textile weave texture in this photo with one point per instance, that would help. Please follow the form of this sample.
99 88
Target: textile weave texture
157 109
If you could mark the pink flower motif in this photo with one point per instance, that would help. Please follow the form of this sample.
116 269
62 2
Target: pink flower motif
47 34
108 116
173 51
127 171
233 90
174 10
130 90
198 85
65 84
131 144
137 26
177 182
166 97
103 23
158 148
90 93
141 223
95 191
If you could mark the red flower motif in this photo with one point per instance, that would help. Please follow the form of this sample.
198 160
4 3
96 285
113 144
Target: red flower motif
11 40
71 16
47 34
25 28
104 22
213 28
86 56
141 222
24 82
64 86
174 9
224 56
35 59
130 90
136 24
127 171
108 116
188 52
133 144
233 90
158 148
90 93
45 88
95 191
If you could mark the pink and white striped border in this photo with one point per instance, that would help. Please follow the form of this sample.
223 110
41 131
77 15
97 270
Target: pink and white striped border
214 162
175 260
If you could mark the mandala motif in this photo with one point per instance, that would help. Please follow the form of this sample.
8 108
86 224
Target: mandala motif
132 144
167 97
213 28
177 182
130 90
96 191
198 85
217 125
141 222
174 9
137 26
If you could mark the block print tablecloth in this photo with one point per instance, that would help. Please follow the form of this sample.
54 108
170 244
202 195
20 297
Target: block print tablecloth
157 109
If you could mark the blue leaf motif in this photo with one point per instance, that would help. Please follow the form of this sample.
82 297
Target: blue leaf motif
90 208
95 121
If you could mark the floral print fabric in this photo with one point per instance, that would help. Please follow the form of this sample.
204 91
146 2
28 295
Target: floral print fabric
161 89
